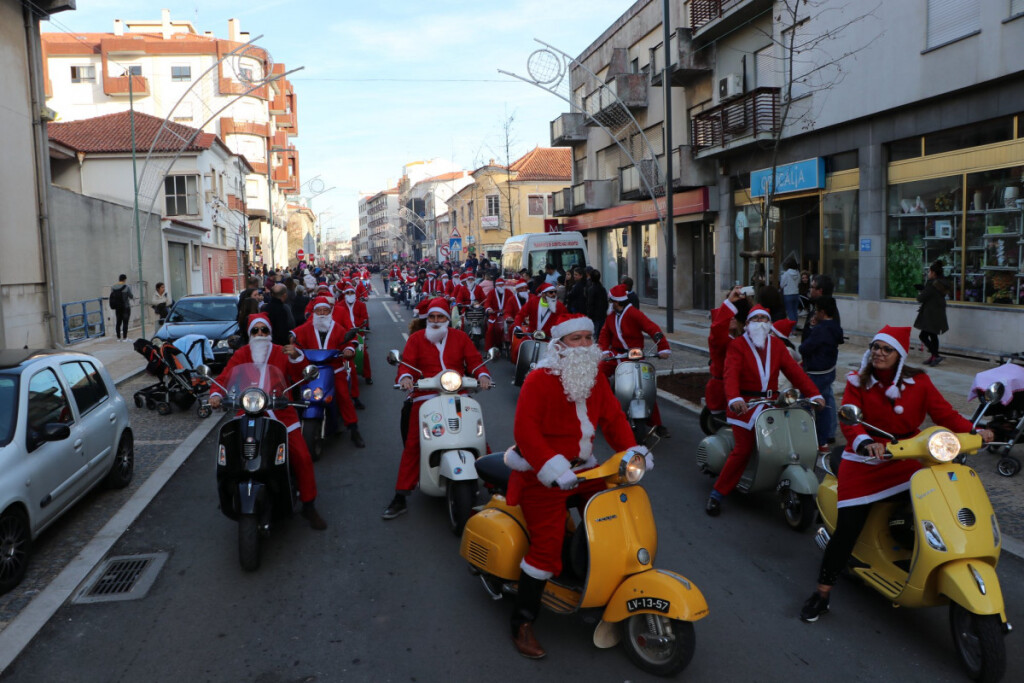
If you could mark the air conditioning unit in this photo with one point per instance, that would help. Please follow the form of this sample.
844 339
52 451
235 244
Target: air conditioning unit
730 86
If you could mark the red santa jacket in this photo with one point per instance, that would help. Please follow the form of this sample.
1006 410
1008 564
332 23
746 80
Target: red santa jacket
554 435
394 272
864 480
432 287
513 304
718 346
624 331
495 303
446 286
306 337
464 297
351 315
749 374
456 352
361 293
540 317
290 369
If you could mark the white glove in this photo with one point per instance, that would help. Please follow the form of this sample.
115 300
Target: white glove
567 480
664 354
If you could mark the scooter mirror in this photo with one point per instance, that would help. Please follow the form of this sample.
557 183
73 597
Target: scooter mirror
203 371
994 392
394 356
850 414
492 353
310 373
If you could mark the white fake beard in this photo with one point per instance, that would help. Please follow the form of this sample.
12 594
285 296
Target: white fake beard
523 295
575 366
260 348
436 332
350 298
321 323
759 333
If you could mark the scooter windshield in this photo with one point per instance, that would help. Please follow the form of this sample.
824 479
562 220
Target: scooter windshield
267 377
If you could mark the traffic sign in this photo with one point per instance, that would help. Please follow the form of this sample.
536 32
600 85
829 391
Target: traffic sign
301 255
445 251
455 235
455 245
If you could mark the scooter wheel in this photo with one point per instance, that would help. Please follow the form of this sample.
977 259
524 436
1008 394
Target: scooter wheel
314 442
979 642
657 644
709 424
249 542
797 508
461 497
1008 466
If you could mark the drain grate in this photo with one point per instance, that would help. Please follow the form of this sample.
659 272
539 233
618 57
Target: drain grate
121 578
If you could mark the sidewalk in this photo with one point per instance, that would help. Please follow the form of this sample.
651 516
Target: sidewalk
953 378
120 358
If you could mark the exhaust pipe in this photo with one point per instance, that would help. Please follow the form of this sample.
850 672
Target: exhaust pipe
821 538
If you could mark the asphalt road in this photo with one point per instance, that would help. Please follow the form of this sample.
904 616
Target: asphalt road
369 600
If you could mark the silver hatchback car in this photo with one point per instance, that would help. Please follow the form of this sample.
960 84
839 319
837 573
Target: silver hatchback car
63 430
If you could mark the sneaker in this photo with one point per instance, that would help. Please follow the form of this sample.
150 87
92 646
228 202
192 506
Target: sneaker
369 380
713 507
395 508
358 404
357 439
661 431
815 606
937 360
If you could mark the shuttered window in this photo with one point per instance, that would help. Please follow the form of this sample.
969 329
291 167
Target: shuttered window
766 68
949 20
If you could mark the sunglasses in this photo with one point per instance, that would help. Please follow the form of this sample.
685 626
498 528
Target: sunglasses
882 349
259 330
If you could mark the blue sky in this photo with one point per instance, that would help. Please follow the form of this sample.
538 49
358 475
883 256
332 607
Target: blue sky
389 83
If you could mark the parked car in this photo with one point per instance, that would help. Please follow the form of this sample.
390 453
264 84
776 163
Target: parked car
64 429
215 316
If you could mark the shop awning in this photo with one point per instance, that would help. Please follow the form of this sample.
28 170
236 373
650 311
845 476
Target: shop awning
683 203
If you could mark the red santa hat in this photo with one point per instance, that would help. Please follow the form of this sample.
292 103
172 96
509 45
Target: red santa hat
421 309
347 287
618 293
440 305
468 275
545 288
899 339
432 274
521 284
444 275
758 310
321 301
500 282
783 328
255 318
567 323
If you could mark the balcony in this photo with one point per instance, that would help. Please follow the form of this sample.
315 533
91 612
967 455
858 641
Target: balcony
563 202
748 118
118 85
592 195
605 105
686 64
567 130
687 173
712 19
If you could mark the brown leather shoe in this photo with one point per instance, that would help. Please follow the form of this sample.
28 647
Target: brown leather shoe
526 643
313 517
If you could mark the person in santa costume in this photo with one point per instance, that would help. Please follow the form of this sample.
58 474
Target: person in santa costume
322 331
752 366
894 398
624 330
782 329
539 313
351 312
446 285
727 323
469 293
495 307
561 406
437 348
261 351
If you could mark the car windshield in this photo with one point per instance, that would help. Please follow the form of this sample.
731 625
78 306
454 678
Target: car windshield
267 377
8 408
564 259
203 310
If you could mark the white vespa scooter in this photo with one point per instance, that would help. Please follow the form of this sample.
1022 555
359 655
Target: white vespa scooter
635 385
452 437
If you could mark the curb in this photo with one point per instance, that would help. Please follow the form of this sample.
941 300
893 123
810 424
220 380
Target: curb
20 632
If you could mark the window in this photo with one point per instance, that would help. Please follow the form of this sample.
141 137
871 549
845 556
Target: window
86 385
551 205
181 74
536 205
951 20
134 70
493 205
469 209
181 193
83 74
197 256
252 188
766 70
841 239
46 404
8 408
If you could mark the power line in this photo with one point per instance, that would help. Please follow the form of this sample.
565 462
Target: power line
407 80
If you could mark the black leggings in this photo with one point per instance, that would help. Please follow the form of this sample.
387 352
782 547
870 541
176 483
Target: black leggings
849 523
121 323
931 340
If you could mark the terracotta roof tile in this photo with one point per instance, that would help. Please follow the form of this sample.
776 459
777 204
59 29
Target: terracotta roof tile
112 133
544 163
454 175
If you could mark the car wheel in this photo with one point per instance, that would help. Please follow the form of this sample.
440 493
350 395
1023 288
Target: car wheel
15 548
121 471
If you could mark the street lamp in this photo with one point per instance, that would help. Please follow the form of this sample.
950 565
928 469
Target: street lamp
270 197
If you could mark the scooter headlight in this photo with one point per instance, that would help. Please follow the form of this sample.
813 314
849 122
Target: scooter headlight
632 468
254 400
636 354
943 446
451 381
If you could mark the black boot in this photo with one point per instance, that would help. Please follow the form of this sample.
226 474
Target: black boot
527 608
357 438
311 515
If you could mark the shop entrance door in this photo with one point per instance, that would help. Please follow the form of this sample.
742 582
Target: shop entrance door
177 268
800 234
702 248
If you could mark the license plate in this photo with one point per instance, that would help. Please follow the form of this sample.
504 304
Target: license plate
656 604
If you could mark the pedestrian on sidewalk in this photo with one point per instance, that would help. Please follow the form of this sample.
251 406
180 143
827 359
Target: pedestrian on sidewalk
160 302
597 300
632 297
931 316
789 283
821 285
820 352
121 298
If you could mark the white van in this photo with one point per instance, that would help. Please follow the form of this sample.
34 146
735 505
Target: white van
535 250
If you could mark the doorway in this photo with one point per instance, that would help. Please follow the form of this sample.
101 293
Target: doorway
177 269
800 234
702 248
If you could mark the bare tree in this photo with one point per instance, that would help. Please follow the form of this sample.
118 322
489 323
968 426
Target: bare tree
506 143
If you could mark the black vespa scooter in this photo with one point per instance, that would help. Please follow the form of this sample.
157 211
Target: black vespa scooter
254 481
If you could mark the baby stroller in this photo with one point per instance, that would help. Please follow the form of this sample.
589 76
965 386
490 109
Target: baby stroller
1006 418
174 364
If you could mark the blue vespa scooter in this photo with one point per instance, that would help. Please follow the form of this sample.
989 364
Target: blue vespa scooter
321 419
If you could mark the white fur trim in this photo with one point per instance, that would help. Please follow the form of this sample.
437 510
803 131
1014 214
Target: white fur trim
515 461
581 324
891 341
533 572
853 378
553 469
437 309
898 410
859 440
586 431
730 305
301 357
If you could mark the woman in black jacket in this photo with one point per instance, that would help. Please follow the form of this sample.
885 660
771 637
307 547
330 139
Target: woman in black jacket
931 317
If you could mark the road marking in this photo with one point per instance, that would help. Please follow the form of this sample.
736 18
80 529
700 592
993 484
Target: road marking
388 309
158 442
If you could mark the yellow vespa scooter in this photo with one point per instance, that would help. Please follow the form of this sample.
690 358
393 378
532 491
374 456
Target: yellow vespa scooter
944 553
610 564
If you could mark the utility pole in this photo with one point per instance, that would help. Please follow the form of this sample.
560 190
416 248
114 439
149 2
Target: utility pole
270 202
135 210
670 225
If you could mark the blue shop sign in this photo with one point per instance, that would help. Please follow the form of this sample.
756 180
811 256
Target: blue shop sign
795 177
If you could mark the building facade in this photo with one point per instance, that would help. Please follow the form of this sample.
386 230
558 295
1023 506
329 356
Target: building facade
387 242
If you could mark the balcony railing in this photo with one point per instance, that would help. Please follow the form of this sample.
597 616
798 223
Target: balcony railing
592 195
605 104
118 85
749 116
568 129
563 202
718 16
631 179
686 64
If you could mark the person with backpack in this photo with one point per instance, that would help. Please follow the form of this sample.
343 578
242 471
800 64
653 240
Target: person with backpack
120 301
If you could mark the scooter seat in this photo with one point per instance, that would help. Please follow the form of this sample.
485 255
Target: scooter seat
492 470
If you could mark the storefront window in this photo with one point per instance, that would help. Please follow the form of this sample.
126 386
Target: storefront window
924 225
749 243
841 240
993 263
616 256
649 262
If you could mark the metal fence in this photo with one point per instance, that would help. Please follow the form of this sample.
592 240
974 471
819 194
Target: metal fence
83 320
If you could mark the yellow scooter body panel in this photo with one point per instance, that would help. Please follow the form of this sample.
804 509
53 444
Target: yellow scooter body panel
494 540
619 523
959 581
656 591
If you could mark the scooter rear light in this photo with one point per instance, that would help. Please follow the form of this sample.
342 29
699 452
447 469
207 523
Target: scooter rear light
282 455
932 536
222 460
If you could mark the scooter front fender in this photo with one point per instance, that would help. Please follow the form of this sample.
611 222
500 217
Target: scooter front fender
801 480
656 591
250 495
962 580
458 465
